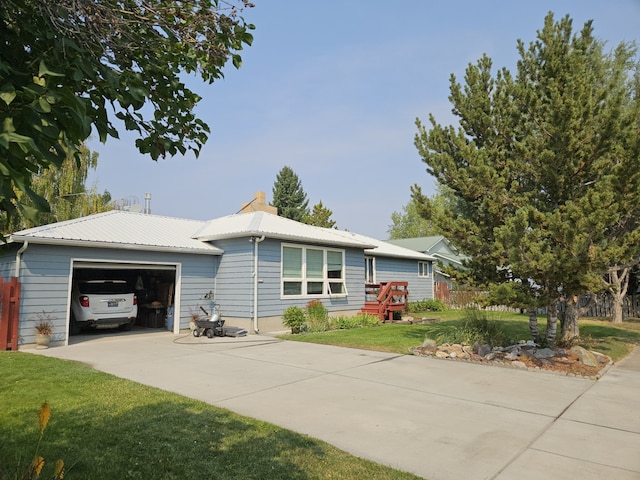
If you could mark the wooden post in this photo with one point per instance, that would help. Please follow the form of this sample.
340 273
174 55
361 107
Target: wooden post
10 314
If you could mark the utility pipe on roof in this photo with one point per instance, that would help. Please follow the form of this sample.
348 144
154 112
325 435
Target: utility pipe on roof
19 253
256 241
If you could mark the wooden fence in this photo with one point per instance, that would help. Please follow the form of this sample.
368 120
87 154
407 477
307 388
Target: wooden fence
9 313
603 308
442 292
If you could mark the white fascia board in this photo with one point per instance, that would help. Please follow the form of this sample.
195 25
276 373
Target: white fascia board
290 238
419 256
121 246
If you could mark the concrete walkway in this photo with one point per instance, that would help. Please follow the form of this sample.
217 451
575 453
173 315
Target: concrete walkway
436 418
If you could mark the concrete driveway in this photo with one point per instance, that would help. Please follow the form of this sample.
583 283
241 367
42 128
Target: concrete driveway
436 418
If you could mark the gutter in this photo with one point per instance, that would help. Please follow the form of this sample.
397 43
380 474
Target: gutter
19 253
256 241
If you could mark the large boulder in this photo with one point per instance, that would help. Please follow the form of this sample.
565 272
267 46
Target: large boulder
585 356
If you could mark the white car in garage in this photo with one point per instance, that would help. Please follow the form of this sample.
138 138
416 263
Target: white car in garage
103 303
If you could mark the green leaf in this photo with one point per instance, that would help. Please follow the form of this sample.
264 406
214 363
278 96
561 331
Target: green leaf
44 105
19 139
29 212
7 125
43 70
7 93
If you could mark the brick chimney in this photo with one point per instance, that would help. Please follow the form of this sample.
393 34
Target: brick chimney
258 204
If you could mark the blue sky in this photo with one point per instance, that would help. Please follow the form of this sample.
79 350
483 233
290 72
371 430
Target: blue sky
332 89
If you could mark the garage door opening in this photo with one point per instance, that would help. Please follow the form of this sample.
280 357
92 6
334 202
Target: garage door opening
115 296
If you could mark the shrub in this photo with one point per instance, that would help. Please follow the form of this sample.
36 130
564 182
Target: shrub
481 329
294 318
427 306
317 317
476 328
357 321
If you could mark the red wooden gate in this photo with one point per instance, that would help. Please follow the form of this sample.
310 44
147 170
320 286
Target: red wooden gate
442 292
9 313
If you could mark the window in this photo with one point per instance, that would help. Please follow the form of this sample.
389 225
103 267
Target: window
312 271
292 271
335 273
424 269
315 269
369 270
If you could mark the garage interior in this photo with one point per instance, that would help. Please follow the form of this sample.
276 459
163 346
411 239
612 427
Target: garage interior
154 287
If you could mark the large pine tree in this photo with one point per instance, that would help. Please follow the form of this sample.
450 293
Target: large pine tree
289 197
545 167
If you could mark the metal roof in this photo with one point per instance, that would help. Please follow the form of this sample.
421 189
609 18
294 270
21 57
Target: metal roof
129 230
122 229
257 224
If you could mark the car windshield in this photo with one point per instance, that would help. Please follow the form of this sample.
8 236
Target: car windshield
104 287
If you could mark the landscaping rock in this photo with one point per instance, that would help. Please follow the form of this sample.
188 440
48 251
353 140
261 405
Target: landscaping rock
544 353
483 350
430 343
524 355
602 358
585 356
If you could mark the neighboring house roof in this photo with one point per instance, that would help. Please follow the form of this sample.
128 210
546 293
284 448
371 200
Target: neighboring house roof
256 224
421 244
386 249
122 229
437 245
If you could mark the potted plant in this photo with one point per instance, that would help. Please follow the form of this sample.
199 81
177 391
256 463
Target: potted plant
44 330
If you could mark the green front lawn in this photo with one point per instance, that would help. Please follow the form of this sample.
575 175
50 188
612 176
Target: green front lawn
104 427
615 341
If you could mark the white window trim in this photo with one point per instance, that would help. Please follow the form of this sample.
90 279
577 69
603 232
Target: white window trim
326 291
425 268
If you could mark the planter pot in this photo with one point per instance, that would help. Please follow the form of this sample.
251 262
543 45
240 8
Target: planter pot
42 341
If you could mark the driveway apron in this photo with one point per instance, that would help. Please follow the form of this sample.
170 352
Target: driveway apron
439 419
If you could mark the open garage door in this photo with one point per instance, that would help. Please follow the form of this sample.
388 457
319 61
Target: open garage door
154 287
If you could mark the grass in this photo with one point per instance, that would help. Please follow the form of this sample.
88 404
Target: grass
615 341
105 427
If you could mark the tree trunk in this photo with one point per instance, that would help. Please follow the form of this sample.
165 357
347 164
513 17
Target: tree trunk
618 285
533 324
617 313
552 323
569 323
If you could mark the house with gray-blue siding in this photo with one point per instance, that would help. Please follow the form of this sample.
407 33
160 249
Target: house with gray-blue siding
252 265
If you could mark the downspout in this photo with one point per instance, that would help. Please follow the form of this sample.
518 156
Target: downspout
256 241
19 253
